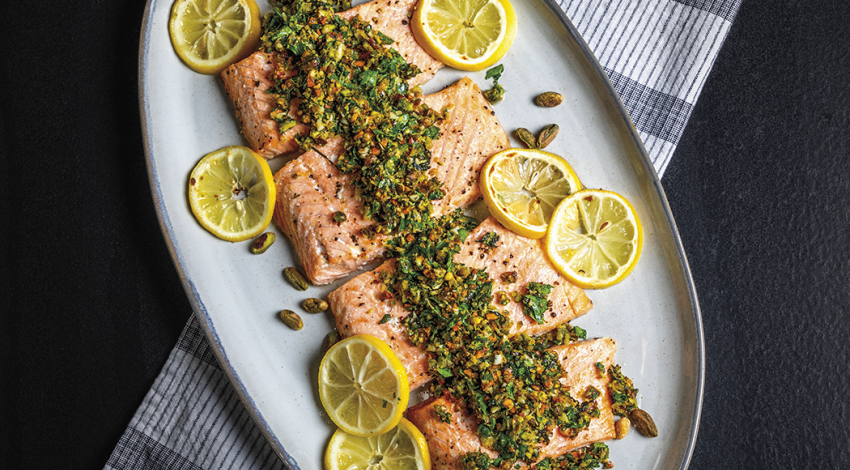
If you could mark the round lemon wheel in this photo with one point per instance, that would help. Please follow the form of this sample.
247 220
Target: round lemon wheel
522 187
209 35
363 386
465 34
232 193
401 448
595 238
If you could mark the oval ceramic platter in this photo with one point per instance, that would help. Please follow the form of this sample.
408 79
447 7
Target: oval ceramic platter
653 314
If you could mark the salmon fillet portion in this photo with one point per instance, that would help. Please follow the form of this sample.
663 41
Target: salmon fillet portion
246 81
311 189
357 306
447 442
392 17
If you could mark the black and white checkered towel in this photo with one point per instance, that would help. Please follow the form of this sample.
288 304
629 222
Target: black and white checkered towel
657 54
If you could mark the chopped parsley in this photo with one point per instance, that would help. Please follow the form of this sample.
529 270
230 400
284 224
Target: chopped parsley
497 93
442 413
623 392
489 239
600 368
535 302
593 456
350 84
387 317
511 385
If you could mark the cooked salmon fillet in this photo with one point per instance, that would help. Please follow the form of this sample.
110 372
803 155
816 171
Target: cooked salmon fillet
357 307
246 81
310 189
447 442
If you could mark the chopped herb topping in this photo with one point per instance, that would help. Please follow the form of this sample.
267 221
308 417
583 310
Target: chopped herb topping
591 393
535 302
593 456
509 277
510 384
489 239
385 319
600 368
623 392
497 93
442 413
350 84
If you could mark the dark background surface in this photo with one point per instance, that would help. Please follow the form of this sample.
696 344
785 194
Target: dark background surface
760 187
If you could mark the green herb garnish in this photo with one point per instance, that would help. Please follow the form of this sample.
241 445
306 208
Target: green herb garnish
350 84
622 390
497 93
442 413
535 302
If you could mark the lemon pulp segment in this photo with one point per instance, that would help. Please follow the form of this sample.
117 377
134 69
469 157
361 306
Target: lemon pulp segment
595 238
363 386
209 35
465 34
231 192
401 448
522 187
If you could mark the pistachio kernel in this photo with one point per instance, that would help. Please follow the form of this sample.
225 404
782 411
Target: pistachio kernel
340 217
314 305
643 422
622 427
526 137
291 319
547 135
550 99
262 243
331 339
295 278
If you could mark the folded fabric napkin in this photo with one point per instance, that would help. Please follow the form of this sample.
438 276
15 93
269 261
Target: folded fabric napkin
657 54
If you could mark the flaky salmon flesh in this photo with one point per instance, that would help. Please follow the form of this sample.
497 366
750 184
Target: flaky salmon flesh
447 442
247 81
357 306
310 189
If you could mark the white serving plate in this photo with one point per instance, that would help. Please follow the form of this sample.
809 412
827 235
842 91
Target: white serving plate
654 314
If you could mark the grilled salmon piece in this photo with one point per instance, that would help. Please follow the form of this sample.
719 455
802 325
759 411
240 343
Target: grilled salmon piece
392 17
311 190
246 81
357 306
447 442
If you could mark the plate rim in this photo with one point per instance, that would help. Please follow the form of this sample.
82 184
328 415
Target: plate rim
205 320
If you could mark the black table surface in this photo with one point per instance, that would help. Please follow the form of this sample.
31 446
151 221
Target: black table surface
759 186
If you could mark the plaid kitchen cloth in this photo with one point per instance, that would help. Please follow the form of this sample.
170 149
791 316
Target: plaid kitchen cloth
657 54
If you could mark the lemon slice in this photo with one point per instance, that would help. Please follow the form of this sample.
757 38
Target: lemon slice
363 386
402 448
209 35
232 193
595 238
522 187
465 34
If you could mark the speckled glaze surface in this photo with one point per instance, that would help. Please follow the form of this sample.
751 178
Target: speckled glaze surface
653 315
